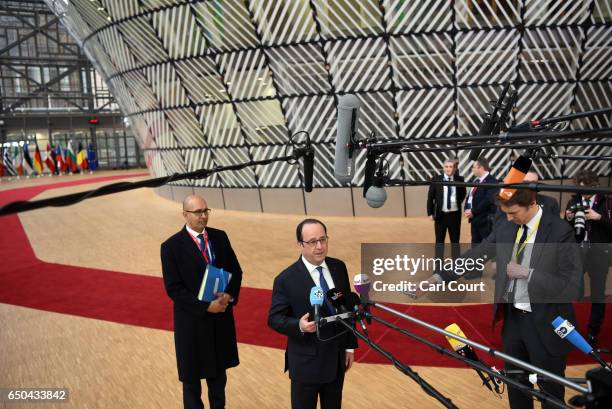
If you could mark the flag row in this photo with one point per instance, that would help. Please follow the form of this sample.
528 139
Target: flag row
16 160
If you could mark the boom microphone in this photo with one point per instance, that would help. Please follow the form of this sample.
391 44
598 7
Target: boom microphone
567 331
376 196
308 168
467 351
517 173
368 172
347 124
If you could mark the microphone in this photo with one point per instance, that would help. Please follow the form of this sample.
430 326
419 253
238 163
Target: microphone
308 167
352 302
567 331
338 300
369 171
362 286
467 352
376 196
517 173
346 125
490 122
316 300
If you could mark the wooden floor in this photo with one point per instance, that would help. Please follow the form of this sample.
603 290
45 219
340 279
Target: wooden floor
109 365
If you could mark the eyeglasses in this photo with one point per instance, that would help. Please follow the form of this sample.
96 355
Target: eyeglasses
313 243
200 212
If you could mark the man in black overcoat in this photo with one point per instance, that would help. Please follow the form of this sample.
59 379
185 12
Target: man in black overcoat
204 332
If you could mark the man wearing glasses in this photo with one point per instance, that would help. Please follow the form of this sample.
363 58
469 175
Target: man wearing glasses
204 332
316 367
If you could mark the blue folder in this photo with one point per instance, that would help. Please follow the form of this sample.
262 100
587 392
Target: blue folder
215 281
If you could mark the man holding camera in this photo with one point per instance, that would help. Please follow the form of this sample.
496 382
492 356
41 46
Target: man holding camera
590 215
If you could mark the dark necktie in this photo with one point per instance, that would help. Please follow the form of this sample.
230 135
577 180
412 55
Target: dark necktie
325 288
520 252
449 190
202 246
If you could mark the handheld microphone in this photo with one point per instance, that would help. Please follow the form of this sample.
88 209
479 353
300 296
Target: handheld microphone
517 173
352 302
467 352
362 286
564 329
308 168
338 300
316 301
346 125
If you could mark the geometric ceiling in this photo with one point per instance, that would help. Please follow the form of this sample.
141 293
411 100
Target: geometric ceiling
215 83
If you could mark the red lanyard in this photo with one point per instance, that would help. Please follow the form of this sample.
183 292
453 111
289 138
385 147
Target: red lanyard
203 251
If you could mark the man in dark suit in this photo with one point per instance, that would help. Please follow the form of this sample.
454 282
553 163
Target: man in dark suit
594 239
204 332
444 208
480 206
538 274
316 367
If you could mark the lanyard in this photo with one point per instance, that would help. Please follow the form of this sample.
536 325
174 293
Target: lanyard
519 249
207 251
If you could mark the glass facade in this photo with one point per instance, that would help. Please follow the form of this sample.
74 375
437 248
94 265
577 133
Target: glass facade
212 83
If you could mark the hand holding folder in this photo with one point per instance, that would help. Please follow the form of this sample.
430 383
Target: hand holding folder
215 281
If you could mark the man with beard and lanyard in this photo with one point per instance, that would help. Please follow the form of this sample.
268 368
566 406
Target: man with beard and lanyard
316 367
538 274
204 332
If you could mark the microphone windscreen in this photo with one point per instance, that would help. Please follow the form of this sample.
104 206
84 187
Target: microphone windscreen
336 297
362 283
460 346
351 301
376 196
346 127
566 330
516 175
316 296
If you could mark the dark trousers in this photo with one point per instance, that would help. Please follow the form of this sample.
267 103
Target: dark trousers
596 265
192 393
304 395
480 229
521 341
450 222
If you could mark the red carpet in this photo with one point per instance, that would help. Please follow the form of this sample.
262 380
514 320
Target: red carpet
140 300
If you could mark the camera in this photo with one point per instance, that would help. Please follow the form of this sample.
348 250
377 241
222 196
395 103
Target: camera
579 216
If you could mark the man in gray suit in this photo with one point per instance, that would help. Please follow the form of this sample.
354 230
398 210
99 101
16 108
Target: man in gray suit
538 276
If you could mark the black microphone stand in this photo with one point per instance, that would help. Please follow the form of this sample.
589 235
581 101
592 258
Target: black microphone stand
405 369
479 367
